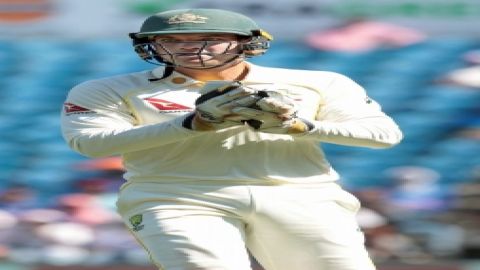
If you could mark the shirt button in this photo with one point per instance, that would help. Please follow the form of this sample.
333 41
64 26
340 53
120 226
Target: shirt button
179 80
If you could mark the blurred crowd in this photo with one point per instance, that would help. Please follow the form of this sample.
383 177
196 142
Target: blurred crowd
417 220
80 227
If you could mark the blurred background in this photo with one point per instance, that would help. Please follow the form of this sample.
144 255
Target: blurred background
419 59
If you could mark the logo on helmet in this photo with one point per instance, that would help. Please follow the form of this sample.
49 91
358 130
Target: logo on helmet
187 18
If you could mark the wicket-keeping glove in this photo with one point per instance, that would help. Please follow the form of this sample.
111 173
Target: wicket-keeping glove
274 113
213 109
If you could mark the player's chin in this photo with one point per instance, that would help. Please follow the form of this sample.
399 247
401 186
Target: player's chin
199 64
193 59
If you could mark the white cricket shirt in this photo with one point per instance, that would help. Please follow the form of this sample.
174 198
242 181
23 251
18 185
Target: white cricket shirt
141 120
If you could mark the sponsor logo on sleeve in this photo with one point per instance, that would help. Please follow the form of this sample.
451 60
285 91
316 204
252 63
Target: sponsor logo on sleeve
71 108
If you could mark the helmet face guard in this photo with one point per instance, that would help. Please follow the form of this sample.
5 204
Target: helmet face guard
160 53
199 21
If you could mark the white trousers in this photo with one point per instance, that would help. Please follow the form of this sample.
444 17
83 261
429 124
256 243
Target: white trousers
210 226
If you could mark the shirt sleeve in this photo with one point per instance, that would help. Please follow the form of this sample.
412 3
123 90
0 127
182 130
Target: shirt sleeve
97 122
348 116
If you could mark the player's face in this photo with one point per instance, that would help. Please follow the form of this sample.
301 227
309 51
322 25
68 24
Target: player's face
197 50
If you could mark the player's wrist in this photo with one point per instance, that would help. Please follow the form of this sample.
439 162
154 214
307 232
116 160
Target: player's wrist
308 126
199 124
194 122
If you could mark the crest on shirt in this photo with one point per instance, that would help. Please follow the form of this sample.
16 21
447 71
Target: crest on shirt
186 18
167 106
71 108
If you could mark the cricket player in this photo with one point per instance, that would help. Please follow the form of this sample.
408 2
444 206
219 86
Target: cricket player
224 156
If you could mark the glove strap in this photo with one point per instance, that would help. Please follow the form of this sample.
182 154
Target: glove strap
187 122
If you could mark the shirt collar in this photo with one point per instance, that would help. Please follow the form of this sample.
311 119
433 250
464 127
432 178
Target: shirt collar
179 79
175 78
